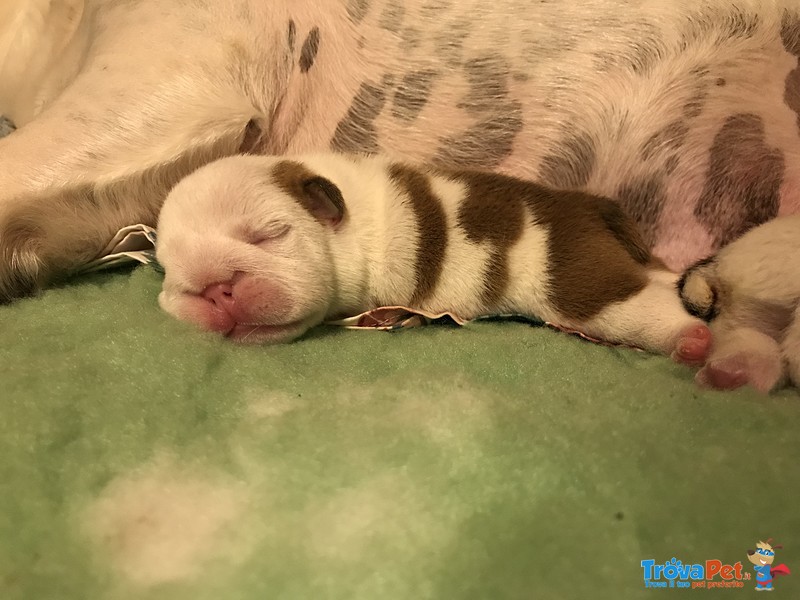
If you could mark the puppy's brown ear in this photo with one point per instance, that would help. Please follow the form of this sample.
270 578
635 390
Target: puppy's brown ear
324 200
319 196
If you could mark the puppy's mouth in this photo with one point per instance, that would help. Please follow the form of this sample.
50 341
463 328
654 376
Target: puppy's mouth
258 333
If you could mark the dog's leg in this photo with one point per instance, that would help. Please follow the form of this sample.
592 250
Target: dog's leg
655 320
790 347
740 356
101 156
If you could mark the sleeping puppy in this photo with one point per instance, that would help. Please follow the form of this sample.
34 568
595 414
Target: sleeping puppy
685 111
749 292
260 249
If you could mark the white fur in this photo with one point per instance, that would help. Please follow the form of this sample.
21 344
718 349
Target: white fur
756 331
35 38
118 100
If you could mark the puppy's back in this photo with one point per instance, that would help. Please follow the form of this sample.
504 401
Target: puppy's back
595 253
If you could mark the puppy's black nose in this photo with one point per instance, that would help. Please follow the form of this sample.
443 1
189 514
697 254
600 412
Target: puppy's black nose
751 552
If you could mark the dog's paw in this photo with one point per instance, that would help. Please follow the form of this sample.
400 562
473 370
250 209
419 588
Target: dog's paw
22 267
693 345
763 372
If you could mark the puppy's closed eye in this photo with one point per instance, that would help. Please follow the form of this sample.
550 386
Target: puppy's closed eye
269 233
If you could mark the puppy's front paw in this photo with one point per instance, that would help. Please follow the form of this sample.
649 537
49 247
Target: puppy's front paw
762 372
693 346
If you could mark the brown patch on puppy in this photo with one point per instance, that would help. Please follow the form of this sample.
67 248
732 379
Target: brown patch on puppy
596 255
493 212
626 232
658 264
432 225
317 195
744 179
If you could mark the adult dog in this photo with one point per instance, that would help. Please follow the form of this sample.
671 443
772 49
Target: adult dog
687 112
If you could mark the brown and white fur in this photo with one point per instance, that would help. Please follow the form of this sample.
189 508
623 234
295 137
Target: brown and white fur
684 111
263 248
750 294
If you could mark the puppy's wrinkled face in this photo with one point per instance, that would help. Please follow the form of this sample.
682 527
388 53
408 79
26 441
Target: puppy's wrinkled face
244 243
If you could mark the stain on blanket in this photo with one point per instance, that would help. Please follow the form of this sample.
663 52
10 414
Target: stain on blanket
387 511
270 404
162 524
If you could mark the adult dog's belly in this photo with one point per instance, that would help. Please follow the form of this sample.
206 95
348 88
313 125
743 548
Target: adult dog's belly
686 112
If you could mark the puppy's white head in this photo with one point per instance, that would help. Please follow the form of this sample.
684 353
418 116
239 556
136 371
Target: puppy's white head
245 244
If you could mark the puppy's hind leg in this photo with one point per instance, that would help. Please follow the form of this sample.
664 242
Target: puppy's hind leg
790 348
740 356
654 319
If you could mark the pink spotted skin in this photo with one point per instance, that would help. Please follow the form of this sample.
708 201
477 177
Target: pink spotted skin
687 114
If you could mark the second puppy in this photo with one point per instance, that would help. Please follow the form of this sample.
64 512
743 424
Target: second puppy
750 294
260 249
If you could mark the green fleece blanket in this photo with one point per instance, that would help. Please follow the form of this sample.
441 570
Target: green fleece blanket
143 459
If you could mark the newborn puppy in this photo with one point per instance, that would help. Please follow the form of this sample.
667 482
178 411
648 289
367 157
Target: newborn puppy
749 292
261 249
